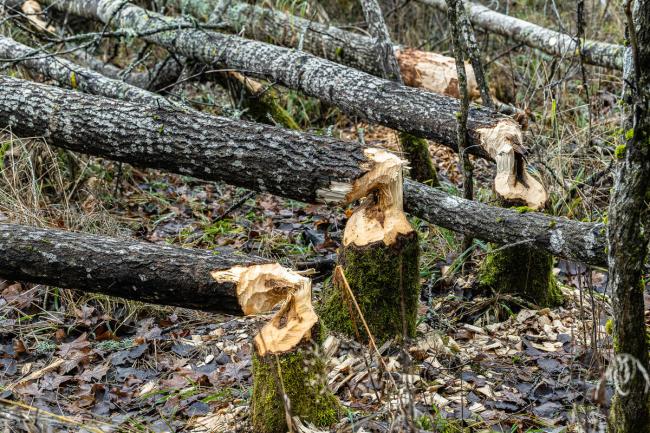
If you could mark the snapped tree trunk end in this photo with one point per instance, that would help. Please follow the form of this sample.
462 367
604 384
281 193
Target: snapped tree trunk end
289 377
380 259
521 270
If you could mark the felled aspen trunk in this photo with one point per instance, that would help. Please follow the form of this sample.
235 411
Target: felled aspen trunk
521 270
307 167
380 258
289 377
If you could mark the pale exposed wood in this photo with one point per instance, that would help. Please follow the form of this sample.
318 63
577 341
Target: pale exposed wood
34 12
259 289
434 72
380 217
512 182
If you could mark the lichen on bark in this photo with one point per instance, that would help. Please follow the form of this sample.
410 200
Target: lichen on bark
296 379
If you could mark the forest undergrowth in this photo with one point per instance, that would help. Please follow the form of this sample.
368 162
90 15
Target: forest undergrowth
480 362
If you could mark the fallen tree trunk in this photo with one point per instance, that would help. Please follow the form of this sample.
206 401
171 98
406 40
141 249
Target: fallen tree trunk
574 240
309 168
75 76
377 100
163 75
428 70
223 283
549 41
119 267
306 167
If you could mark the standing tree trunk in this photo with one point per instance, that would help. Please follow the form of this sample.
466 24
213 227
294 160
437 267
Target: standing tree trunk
628 232
380 258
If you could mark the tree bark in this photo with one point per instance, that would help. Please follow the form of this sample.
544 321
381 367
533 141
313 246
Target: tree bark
579 241
551 42
424 69
379 101
416 148
75 76
163 75
120 267
309 168
628 232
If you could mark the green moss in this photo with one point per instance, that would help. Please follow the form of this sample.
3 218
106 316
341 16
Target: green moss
609 326
522 271
417 150
552 224
383 279
304 383
522 209
629 134
261 107
619 152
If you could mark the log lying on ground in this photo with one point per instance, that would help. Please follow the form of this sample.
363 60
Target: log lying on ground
161 76
574 240
119 267
224 283
428 70
309 168
415 111
75 76
549 41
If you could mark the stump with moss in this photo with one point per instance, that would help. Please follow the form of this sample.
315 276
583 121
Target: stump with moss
380 259
522 271
289 378
417 151
518 270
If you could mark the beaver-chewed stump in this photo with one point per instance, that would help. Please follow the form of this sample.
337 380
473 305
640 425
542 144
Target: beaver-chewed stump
380 259
519 270
289 378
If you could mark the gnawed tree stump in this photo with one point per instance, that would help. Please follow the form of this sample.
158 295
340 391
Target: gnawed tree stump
289 377
520 269
380 259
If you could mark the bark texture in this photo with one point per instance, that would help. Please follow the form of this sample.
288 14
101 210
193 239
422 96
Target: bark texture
75 76
215 148
305 167
163 75
550 41
628 230
583 242
377 100
294 382
118 267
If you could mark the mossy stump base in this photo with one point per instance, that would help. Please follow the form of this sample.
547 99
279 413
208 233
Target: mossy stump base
417 151
385 281
295 383
522 271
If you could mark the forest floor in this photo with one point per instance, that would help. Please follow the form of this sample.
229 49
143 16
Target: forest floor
479 363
